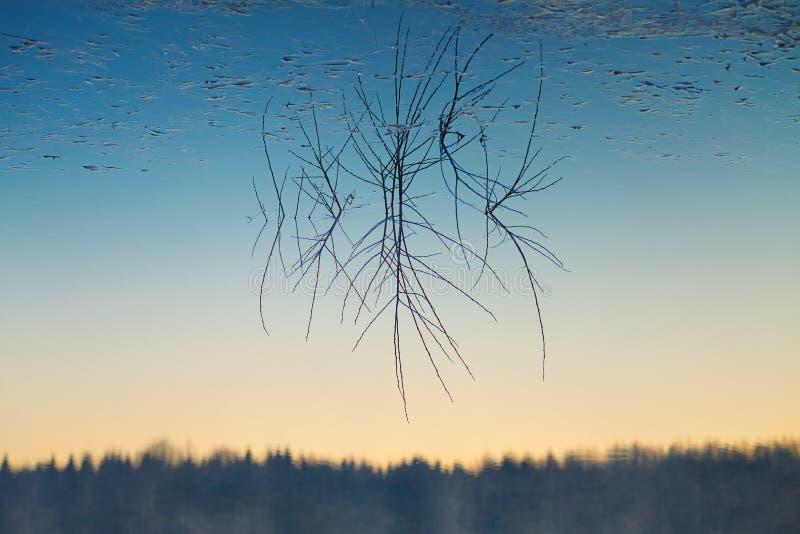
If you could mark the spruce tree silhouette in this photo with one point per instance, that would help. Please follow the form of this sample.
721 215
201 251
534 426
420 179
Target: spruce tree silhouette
707 489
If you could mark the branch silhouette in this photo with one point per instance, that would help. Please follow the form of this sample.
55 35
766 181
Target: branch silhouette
390 150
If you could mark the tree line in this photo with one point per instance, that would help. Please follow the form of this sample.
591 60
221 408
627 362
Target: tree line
632 489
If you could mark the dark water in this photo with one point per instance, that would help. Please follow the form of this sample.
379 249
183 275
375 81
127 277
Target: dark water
139 86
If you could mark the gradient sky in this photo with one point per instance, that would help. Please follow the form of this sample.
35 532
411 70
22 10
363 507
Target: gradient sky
127 308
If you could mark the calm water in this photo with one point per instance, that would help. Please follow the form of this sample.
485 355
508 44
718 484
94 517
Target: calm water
634 162
165 96
134 182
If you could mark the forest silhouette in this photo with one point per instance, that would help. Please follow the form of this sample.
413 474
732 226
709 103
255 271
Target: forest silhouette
711 488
